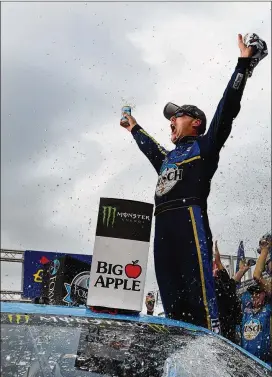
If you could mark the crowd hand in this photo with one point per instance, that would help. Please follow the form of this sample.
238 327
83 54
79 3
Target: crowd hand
217 258
265 244
131 122
243 266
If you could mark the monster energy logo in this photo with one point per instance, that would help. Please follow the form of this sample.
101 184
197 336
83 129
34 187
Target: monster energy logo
109 214
18 318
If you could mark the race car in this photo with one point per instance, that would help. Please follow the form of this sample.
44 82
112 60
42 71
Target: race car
56 341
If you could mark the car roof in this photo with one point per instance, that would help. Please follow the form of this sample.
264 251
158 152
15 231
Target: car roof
26 308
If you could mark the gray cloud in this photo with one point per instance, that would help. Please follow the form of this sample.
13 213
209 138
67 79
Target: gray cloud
60 86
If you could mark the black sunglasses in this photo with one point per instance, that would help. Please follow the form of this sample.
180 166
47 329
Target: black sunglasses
179 114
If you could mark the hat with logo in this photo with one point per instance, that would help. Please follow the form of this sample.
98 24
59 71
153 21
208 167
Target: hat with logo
171 109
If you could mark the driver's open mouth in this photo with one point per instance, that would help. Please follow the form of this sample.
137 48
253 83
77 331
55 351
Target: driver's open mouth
173 128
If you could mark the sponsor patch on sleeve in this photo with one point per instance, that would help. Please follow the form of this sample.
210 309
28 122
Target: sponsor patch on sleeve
237 81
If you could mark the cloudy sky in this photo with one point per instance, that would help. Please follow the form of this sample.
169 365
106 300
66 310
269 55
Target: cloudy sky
67 68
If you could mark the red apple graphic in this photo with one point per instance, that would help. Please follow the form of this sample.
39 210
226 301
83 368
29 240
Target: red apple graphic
44 260
133 270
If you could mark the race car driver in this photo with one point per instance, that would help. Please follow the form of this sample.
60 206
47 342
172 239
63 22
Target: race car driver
183 239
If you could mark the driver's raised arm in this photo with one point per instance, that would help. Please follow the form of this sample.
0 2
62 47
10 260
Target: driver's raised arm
149 146
229 106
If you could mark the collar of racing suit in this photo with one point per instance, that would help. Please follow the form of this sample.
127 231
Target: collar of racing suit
186 139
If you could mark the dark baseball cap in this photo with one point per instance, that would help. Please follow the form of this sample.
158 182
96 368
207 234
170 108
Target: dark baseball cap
171 109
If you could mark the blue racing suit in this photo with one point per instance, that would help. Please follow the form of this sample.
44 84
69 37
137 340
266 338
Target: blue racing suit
183 239
256 337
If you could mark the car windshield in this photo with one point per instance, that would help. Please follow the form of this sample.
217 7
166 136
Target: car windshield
35 345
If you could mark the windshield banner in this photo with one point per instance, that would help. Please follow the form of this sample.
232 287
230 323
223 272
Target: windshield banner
66 281
34 265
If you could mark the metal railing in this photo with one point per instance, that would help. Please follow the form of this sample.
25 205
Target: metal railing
15 256
7 255
9 296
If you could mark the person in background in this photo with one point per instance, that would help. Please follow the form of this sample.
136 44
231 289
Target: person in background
150 303
256 324
42 300
229 305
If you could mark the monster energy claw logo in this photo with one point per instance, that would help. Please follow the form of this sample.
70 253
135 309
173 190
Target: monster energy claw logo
18 318
109 214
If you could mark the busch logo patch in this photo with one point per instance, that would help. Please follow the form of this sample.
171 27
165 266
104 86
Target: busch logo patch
168 178
251 329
